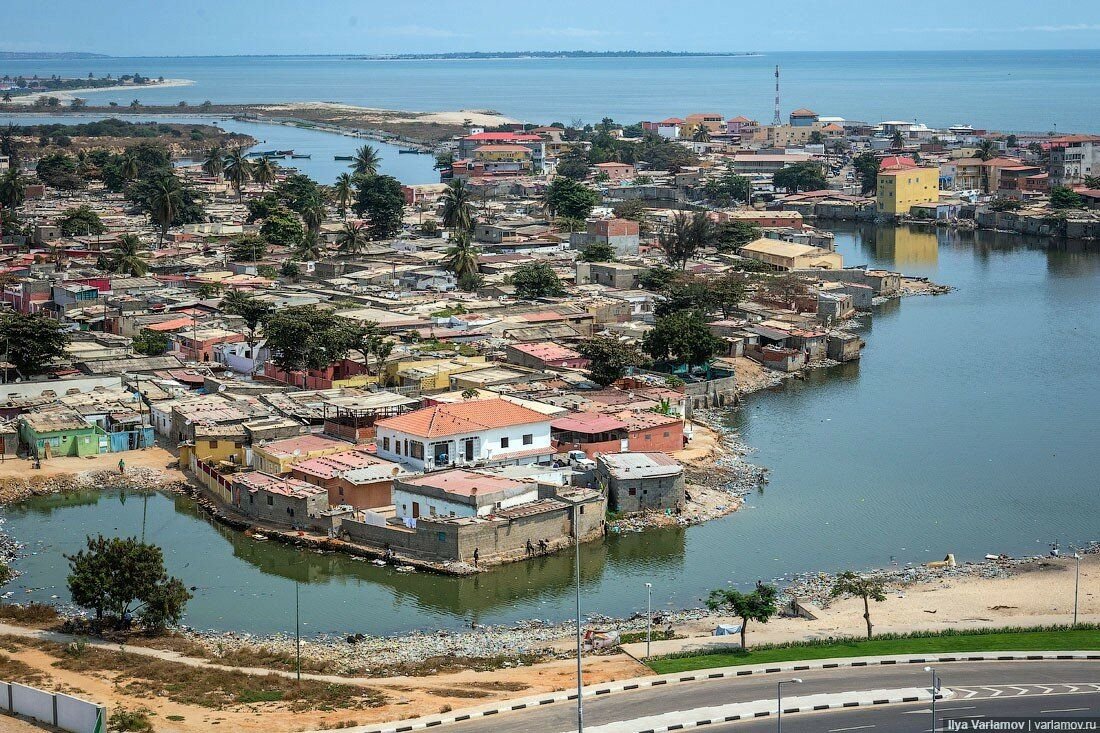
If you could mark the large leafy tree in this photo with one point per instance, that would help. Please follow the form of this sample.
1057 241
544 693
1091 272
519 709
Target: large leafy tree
728 188
727 290
536 280
866 167
60 171
732 235
683 293
159 191
1063 197
860 586
247 248
366 161
381 201
129 256
32 342
760 605
800 177
119 578
609 358
282 228
299 192
374 346
570 199
597 252
662 154
687 234
307 337
574 164
681 338
250 308
80 221
458 208
12 189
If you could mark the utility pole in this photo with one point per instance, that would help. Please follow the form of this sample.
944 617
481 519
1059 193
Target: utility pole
1076 586
577 568
935 689
777 120
297 634
648 617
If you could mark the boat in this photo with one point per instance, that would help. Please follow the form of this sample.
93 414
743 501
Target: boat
343 157
285 153
404 151
259 537
301 155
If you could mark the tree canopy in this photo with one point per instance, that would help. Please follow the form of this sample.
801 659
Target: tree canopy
687 234
866 167
381 201
681 338
80 221
536 280
760 605
32 341
570 199
868 588
800 177
308 337
609 358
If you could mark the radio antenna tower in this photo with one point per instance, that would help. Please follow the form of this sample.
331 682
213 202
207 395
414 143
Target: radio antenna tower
777 120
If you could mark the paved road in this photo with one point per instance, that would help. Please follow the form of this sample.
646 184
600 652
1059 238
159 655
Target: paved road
917 718
561 717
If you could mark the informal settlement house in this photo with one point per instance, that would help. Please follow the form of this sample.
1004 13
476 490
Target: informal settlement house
789 256
480 432
641 481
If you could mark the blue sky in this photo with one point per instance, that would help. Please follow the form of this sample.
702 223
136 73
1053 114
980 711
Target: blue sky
204 27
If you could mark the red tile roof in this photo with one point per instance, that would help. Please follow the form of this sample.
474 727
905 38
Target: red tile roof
462 417
504 136
803 112
588 423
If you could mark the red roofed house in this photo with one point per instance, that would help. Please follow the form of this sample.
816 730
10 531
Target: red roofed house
536 144
545 354
481 432
740 125
459 493
353 477
591 432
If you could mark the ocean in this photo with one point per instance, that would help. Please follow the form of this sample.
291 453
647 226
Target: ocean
1011 90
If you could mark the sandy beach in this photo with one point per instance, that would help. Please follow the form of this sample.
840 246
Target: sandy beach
69 94
485 118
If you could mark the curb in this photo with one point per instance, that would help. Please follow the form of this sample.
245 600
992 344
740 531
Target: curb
643 683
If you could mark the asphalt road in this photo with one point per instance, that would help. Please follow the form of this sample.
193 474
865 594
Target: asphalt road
561 717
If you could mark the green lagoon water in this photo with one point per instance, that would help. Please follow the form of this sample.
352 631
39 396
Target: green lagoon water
970 426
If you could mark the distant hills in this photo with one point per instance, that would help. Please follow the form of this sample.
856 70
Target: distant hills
51 55
458 55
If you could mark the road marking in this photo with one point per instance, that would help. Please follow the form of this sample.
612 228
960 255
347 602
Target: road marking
926 711
1064 710
856 727
1023 690
1046 690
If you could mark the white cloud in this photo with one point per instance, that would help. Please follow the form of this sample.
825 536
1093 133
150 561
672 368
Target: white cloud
970 30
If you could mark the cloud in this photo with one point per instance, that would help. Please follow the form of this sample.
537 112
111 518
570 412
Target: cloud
417 31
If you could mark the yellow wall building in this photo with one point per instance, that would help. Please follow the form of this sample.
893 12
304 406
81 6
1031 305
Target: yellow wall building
901 189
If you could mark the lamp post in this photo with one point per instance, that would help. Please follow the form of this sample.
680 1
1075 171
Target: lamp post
577 569
648 617
779 699
1076 585
297 634
935 689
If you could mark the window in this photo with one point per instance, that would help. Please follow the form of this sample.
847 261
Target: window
290 511
416 449
504 442
251 499
441 536
431 511
528 439
213 444
341 491
648 436
666 433
633 492
270 501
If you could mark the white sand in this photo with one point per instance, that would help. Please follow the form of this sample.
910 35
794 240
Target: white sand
69 94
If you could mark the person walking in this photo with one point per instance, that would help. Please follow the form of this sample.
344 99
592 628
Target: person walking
476 556
121 466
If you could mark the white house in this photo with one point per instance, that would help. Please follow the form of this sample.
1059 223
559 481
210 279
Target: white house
479 432
459 493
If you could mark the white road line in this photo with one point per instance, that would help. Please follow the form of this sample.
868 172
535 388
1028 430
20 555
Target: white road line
1022 690
995 692
926 711
856 727
1064 710
1046 690
1072 688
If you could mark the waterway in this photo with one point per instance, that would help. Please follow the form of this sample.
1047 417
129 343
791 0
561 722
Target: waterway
968 427
323 147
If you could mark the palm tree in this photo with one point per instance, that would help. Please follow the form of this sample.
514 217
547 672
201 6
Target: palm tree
165 203
462 256
129 166
458 207
701 134
343 192
366 161
313 214
263 171
129 256
897 140
238 170
214 163
987 149
12 189
352 239
309 249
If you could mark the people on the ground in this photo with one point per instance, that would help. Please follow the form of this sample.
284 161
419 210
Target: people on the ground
121 465
477 555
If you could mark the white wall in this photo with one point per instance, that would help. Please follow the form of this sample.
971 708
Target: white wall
403 501
487 448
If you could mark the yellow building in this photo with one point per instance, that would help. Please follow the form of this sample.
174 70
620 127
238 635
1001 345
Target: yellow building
790 256
430 375
899 189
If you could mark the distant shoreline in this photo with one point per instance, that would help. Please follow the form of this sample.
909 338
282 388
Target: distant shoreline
519 55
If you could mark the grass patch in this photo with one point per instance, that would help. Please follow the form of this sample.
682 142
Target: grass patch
29 614
1052 638
132 721
629 637
212 688
264 657
12 670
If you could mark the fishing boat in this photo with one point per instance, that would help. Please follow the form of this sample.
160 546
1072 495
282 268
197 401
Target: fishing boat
285 153
343 157
408 151
301 155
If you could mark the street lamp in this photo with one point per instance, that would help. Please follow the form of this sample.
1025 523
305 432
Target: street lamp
935 689
577 569
648 617
779 699
1076 585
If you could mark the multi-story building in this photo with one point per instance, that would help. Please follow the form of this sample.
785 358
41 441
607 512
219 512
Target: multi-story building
901 188
536 144
1072 158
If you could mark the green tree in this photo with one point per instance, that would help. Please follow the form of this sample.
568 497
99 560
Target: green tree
664 155
12 189
290 270
238 170
299 192
800 177
309 249
536 280
987 150
374 346
307 337
282 228
860 586
352 239
381 200
129 256
32 341
214 161
609 358
118 578
685 292
597 252
657 278
701 133
150 342
313 215
458 208
574 164
343 193
263 172
80 221
866 167
1063 197
250 308
247 248
462 258
897 140
570 199
60 171
728 290
728 188
760 605
682 338
366 161
686 236
735 234
165 201
1091 182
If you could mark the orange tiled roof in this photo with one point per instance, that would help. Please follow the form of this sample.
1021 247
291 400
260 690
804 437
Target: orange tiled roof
462 417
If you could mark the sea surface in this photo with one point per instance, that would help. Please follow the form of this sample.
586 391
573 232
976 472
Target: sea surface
969 427
1011 90
321 146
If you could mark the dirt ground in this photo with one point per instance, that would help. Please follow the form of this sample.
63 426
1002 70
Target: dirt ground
157 458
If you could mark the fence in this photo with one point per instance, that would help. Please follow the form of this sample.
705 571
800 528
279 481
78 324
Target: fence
54 708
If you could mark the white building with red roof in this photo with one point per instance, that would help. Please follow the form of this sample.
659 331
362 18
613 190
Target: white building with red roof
479 432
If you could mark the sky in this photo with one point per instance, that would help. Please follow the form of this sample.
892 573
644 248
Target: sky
232 27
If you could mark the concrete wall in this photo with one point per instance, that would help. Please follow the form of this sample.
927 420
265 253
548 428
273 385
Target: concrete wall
64 712
641 494
271 506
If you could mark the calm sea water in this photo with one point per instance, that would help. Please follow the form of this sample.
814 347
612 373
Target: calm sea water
323 147
969 427
1014 90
